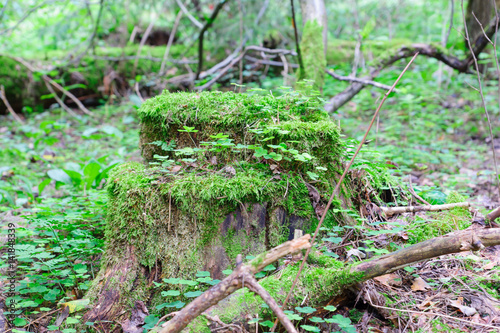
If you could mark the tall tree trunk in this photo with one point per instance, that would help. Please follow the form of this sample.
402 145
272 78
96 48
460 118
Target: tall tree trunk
314 42
482 11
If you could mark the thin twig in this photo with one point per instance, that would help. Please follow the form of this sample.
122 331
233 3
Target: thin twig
481 90
55 84
191 18
92 37
4 7
339 183
452 10
170 41
202 33
418 197
7 104
355 79
59 100
26 15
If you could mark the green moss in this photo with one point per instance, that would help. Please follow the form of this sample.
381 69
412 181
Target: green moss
340 51
18 84
313 54
139 207
443 222
322 282
302 126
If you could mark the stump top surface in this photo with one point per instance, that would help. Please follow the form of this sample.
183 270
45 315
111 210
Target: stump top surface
229 108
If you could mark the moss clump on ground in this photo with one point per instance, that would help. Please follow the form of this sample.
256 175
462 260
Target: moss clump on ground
323 282
141 200
442 223
18 84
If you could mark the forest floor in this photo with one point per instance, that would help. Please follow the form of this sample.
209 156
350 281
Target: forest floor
434 135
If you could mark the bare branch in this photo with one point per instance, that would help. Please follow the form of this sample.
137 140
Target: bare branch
389 211
7 105
170 41
55 84
234 282
191 18
355 79
26 15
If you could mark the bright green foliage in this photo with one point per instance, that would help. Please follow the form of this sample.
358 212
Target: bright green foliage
444 222
313 53
236 115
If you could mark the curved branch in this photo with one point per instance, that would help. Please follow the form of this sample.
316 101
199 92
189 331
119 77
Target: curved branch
234 282
431 51
465 240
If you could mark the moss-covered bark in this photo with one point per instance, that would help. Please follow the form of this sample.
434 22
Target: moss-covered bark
170 224
313 54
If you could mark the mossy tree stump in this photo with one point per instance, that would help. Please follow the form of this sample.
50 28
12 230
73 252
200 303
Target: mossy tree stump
213 196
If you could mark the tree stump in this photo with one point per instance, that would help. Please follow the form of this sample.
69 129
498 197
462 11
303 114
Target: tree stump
223 174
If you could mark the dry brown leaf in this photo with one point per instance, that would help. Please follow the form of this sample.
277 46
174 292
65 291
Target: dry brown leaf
466 310
426 304
419 285
490 265
389 280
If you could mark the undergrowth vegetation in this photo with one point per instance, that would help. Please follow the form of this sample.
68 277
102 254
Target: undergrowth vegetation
68 183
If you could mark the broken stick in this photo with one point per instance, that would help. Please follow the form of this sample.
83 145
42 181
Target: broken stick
389 211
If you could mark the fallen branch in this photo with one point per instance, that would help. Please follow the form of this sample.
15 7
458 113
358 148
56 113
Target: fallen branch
237 59
389 211
355 79
472 239
59 100
243 276
431 51
123 58
493 214
55 84
7 104
458 241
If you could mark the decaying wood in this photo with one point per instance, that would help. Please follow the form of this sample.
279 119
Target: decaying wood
7 105
431 51
242 276
55 84
494 214
465 240
472 239
389 211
